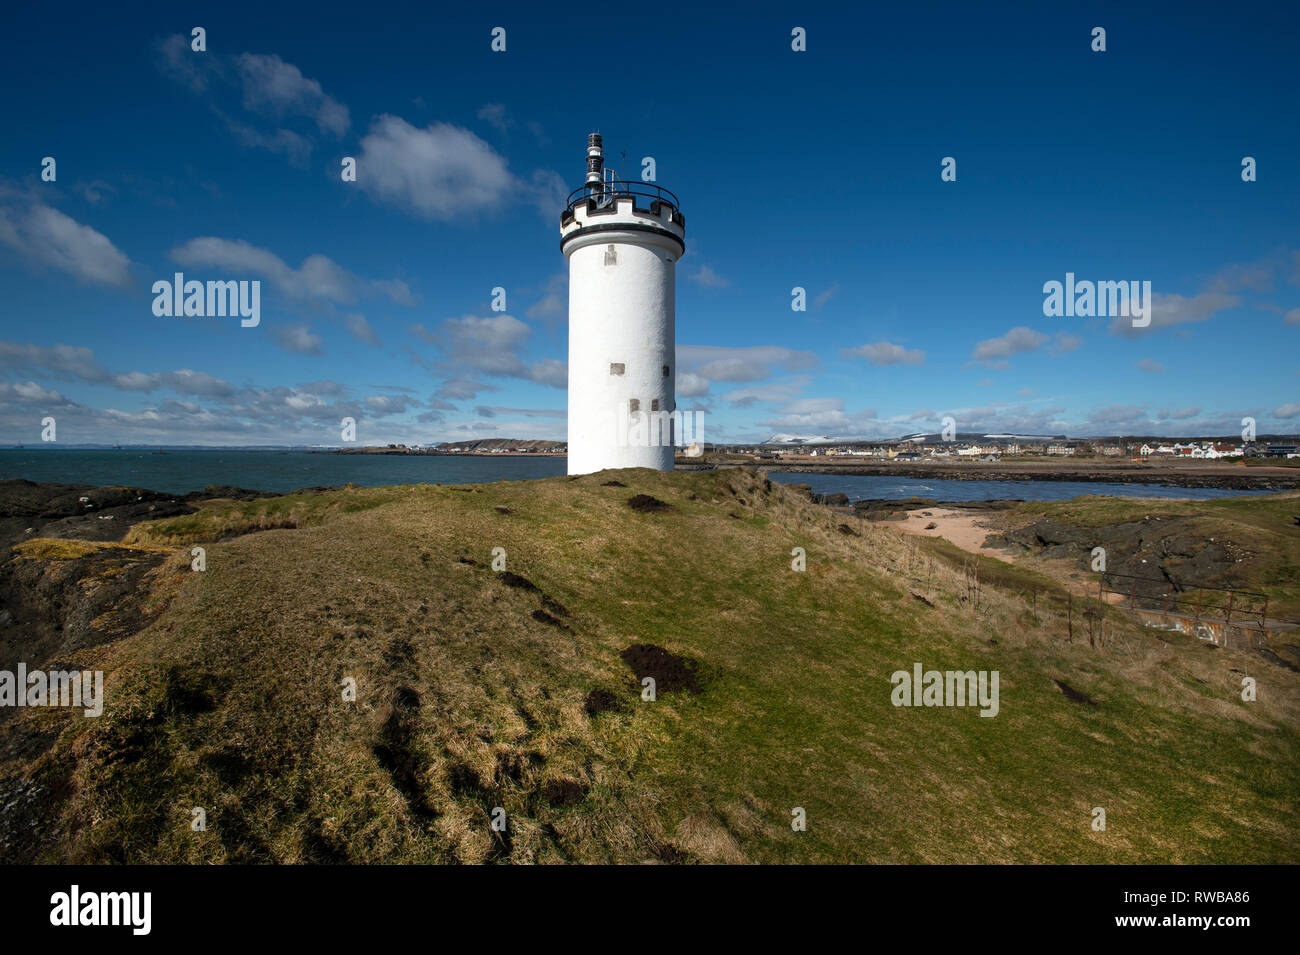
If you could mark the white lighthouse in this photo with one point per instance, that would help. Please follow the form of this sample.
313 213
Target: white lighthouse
622 240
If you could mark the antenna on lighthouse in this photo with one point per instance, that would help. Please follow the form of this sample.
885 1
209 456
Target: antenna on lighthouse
595 162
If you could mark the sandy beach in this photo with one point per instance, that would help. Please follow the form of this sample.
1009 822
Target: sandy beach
964 528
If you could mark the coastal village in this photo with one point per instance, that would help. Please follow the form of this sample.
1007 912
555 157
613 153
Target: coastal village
914 448
976 451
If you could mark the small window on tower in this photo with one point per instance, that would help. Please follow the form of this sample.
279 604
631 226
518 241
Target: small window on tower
616 368
665 371
654 404
634 404
611 256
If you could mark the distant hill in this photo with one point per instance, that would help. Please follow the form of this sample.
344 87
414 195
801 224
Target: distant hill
793 439
502 444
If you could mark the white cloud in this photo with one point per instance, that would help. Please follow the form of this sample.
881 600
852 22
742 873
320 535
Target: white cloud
29 392
813 405
306 413
1123 417
95 192
318 278
547 190
75 362
789 359
78 363
690 385
269 88
549 371
1065 343
485 411
278 88
361 330
1017 341
708 278
474 337
698 365
189 382
381 405
733 369
553 303
394 289
492 346
462 389
1170 310
1256 276
300 339
778 392
47 237
286 142
184 65
885 353
440 172
1287 411
1151 365
825 296
495 115
822 416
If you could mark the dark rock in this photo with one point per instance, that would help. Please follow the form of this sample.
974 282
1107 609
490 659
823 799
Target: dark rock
1170 552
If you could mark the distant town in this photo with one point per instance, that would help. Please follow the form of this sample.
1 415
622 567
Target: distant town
932 447
912 448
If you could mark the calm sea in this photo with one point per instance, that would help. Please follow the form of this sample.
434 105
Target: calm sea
885 487
182 471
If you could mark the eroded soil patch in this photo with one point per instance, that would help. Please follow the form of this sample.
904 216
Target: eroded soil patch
669 671
646 504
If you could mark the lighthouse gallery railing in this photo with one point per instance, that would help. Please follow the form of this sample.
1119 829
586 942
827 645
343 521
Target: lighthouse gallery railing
619 188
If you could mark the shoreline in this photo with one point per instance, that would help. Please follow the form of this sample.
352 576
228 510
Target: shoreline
1226 477
1192 475
443 454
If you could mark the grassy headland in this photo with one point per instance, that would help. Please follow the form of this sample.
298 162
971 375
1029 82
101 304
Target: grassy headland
478 689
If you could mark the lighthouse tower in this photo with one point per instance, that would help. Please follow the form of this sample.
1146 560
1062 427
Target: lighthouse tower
622 240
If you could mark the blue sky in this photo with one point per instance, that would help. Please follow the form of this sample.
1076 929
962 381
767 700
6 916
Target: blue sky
818 169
